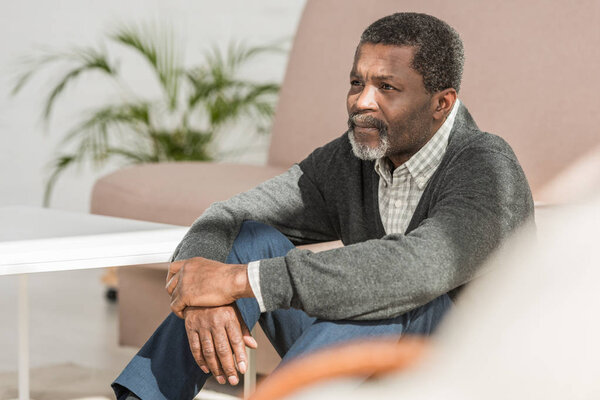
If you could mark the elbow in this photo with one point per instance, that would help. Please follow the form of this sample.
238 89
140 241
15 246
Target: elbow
431 290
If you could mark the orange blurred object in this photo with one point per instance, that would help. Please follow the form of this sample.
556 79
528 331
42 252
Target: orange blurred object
365 358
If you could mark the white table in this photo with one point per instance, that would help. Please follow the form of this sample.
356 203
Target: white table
43 240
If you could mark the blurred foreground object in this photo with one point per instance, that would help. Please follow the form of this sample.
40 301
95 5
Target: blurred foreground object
526 330
365 358
577 182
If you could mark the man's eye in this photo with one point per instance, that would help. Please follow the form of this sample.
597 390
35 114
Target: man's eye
355 82
386 86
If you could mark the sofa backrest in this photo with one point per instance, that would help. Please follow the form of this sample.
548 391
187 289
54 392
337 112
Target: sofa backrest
531 75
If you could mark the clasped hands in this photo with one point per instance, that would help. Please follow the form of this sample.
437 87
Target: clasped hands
203 293
199 282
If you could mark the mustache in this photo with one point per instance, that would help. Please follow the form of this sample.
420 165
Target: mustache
365 121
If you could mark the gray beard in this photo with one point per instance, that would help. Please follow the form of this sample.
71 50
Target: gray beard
365 152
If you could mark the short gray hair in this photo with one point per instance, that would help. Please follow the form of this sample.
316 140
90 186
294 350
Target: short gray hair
439 55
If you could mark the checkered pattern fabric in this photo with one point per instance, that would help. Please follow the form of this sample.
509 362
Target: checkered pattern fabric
401 190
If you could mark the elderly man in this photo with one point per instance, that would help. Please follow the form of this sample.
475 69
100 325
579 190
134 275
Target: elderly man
416 192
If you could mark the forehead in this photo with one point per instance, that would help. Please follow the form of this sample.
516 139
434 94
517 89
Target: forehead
382 59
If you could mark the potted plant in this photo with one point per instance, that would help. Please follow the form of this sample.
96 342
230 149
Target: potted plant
195 106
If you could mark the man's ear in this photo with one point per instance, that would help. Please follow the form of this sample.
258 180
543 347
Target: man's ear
443 102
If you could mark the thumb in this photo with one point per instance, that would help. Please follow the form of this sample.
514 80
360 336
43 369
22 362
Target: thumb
248 339
250 342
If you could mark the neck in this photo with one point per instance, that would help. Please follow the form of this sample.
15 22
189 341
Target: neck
398 159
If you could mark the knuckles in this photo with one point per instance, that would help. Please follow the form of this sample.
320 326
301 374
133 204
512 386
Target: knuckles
208 351
210 317
235 340
222 348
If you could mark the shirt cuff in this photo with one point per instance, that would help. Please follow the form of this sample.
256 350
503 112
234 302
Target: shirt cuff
254 278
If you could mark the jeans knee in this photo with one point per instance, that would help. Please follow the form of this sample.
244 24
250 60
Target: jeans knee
254 234
256 241
253 228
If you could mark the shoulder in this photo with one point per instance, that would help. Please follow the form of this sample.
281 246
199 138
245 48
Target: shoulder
476 141
480 159
466 140
483 166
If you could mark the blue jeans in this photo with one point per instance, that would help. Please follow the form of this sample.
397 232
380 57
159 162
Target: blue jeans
165 369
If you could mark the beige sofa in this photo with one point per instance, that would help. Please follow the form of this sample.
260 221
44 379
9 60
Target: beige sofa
528 77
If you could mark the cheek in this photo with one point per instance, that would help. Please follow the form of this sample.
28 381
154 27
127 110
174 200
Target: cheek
399 127
393 118
350 99
394 108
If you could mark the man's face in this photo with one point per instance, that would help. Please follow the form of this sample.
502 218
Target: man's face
390 112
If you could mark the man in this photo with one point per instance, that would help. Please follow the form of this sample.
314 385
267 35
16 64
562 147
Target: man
417 194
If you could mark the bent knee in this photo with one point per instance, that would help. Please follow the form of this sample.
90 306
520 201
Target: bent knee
253 233
256 241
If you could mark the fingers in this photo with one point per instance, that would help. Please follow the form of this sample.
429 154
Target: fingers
224 354
246 335
196 349
174 267
216 338
210 356
236 341
172 283
177 305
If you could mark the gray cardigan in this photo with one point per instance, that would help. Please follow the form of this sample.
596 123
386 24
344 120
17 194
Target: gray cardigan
475 199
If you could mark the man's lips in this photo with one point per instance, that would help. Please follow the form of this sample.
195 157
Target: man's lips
365 125
365 129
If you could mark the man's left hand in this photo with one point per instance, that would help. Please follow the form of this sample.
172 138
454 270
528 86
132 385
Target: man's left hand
201 282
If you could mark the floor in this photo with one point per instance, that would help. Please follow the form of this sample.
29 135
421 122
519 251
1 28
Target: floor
73 338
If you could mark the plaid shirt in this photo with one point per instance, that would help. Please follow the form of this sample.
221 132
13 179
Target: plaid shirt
401 190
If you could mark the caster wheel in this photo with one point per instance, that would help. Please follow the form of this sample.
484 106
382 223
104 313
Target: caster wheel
111 294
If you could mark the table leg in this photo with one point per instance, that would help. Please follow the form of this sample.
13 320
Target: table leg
250 375
23 317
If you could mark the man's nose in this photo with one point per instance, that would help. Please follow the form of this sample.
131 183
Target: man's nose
366 99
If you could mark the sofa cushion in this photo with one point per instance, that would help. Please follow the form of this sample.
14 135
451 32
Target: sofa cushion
175 193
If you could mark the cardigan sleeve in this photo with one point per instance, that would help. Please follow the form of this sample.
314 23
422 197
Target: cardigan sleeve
289 202
480 198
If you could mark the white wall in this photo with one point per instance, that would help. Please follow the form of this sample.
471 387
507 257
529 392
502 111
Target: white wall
26 147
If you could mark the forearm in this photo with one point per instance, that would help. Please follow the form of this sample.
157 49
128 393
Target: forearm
254 268
373 280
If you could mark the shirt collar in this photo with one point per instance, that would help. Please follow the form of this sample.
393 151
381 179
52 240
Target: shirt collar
423 163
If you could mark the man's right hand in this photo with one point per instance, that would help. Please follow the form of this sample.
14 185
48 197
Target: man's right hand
216 335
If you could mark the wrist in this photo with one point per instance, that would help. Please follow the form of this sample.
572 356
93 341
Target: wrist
241 283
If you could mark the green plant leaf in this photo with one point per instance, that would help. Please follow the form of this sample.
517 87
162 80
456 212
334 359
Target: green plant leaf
239 53
30 66
131 156
84 60
58 165
158 47
105 117
67 78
